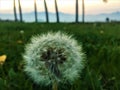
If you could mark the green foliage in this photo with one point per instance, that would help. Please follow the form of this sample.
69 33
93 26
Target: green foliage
101 43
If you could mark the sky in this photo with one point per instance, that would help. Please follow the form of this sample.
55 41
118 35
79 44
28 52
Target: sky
66 6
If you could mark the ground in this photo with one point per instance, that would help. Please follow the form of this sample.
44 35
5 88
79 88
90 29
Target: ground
100 41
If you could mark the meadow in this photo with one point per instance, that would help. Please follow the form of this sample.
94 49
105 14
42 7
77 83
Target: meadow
100 41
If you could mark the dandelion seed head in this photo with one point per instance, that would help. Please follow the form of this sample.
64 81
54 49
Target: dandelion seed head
53 56
21 31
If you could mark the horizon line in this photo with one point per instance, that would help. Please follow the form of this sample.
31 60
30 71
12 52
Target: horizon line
117 11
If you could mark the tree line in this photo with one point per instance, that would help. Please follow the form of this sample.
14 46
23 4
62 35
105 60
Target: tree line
56 9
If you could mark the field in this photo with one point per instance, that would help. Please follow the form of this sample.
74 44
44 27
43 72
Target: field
100 41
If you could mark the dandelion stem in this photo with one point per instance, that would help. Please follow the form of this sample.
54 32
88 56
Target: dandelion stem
89 73
55 85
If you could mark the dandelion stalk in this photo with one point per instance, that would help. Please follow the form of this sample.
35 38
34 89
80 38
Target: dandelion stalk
55 85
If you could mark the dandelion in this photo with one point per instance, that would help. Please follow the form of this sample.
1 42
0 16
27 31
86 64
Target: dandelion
19 41
53 58
21 32
101 32
2 59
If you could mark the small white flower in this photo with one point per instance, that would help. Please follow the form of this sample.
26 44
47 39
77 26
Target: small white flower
101 32
53 56
21 32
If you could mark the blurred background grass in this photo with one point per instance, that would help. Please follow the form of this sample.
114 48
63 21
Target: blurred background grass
100 41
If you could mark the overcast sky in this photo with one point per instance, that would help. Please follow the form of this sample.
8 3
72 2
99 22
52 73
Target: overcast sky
66 6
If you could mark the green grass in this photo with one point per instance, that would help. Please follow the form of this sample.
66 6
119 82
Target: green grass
100 41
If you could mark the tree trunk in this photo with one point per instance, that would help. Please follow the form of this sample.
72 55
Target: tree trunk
15 14
83 11
77 13
20 11
57 13
46 11
35 8
105 0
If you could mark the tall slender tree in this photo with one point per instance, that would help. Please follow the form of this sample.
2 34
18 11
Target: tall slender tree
46 11
20 11
105 0
77 12
83 11
35 8
57 12
14 7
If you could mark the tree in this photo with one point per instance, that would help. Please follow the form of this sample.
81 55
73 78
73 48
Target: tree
20 11
57 13
77 12
46 11
14 7
35 8
83 11
105 0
